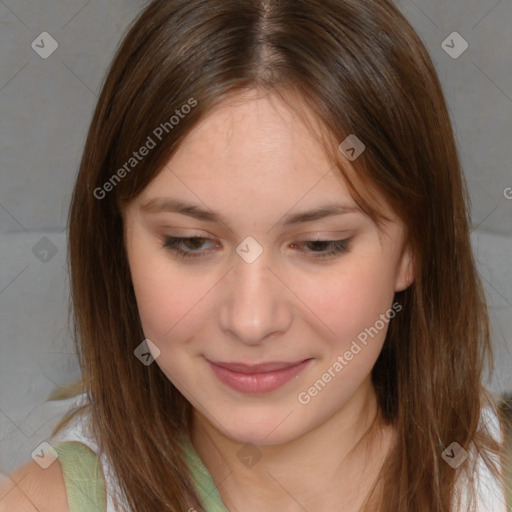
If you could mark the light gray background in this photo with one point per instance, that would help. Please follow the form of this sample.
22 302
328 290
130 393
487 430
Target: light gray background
45 109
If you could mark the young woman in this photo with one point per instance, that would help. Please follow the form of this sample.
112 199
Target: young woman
276 302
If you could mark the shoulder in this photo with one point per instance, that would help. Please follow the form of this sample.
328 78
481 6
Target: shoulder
489 487
32 488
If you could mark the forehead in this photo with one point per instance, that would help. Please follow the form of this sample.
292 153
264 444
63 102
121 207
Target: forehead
254 140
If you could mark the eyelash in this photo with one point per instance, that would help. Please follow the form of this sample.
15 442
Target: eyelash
172 244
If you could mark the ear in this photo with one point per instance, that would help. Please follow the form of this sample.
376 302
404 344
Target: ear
405 270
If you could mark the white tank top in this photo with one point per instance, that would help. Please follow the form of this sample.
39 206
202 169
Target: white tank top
490 495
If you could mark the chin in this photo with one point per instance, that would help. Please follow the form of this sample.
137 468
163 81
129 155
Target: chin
263 431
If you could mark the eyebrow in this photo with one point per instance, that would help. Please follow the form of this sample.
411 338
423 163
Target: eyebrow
169 205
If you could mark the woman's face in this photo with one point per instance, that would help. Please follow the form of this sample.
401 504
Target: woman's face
258 283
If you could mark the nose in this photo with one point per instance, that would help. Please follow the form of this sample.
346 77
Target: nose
256 304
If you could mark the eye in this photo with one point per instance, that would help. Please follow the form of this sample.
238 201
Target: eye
334 247
176 244
193 247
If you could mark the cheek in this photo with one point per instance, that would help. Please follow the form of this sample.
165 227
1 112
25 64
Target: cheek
350 299
164 295
165 304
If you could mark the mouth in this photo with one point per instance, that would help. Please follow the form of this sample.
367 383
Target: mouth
259 378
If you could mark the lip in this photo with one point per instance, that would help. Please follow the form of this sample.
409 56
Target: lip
257 368
259 378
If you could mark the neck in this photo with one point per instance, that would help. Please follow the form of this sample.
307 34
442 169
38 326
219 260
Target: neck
330 467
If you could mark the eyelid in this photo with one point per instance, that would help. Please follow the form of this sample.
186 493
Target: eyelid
187 232
326 234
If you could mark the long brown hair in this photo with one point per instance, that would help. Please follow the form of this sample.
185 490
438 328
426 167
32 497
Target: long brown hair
361 69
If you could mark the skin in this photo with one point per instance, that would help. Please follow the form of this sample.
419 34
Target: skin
34 489
253 161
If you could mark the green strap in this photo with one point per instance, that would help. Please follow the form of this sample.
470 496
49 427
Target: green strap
85 485
205 485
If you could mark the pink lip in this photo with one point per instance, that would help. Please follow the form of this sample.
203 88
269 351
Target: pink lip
259 378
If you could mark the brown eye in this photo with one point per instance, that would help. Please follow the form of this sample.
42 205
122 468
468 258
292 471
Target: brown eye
327 248
185 246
